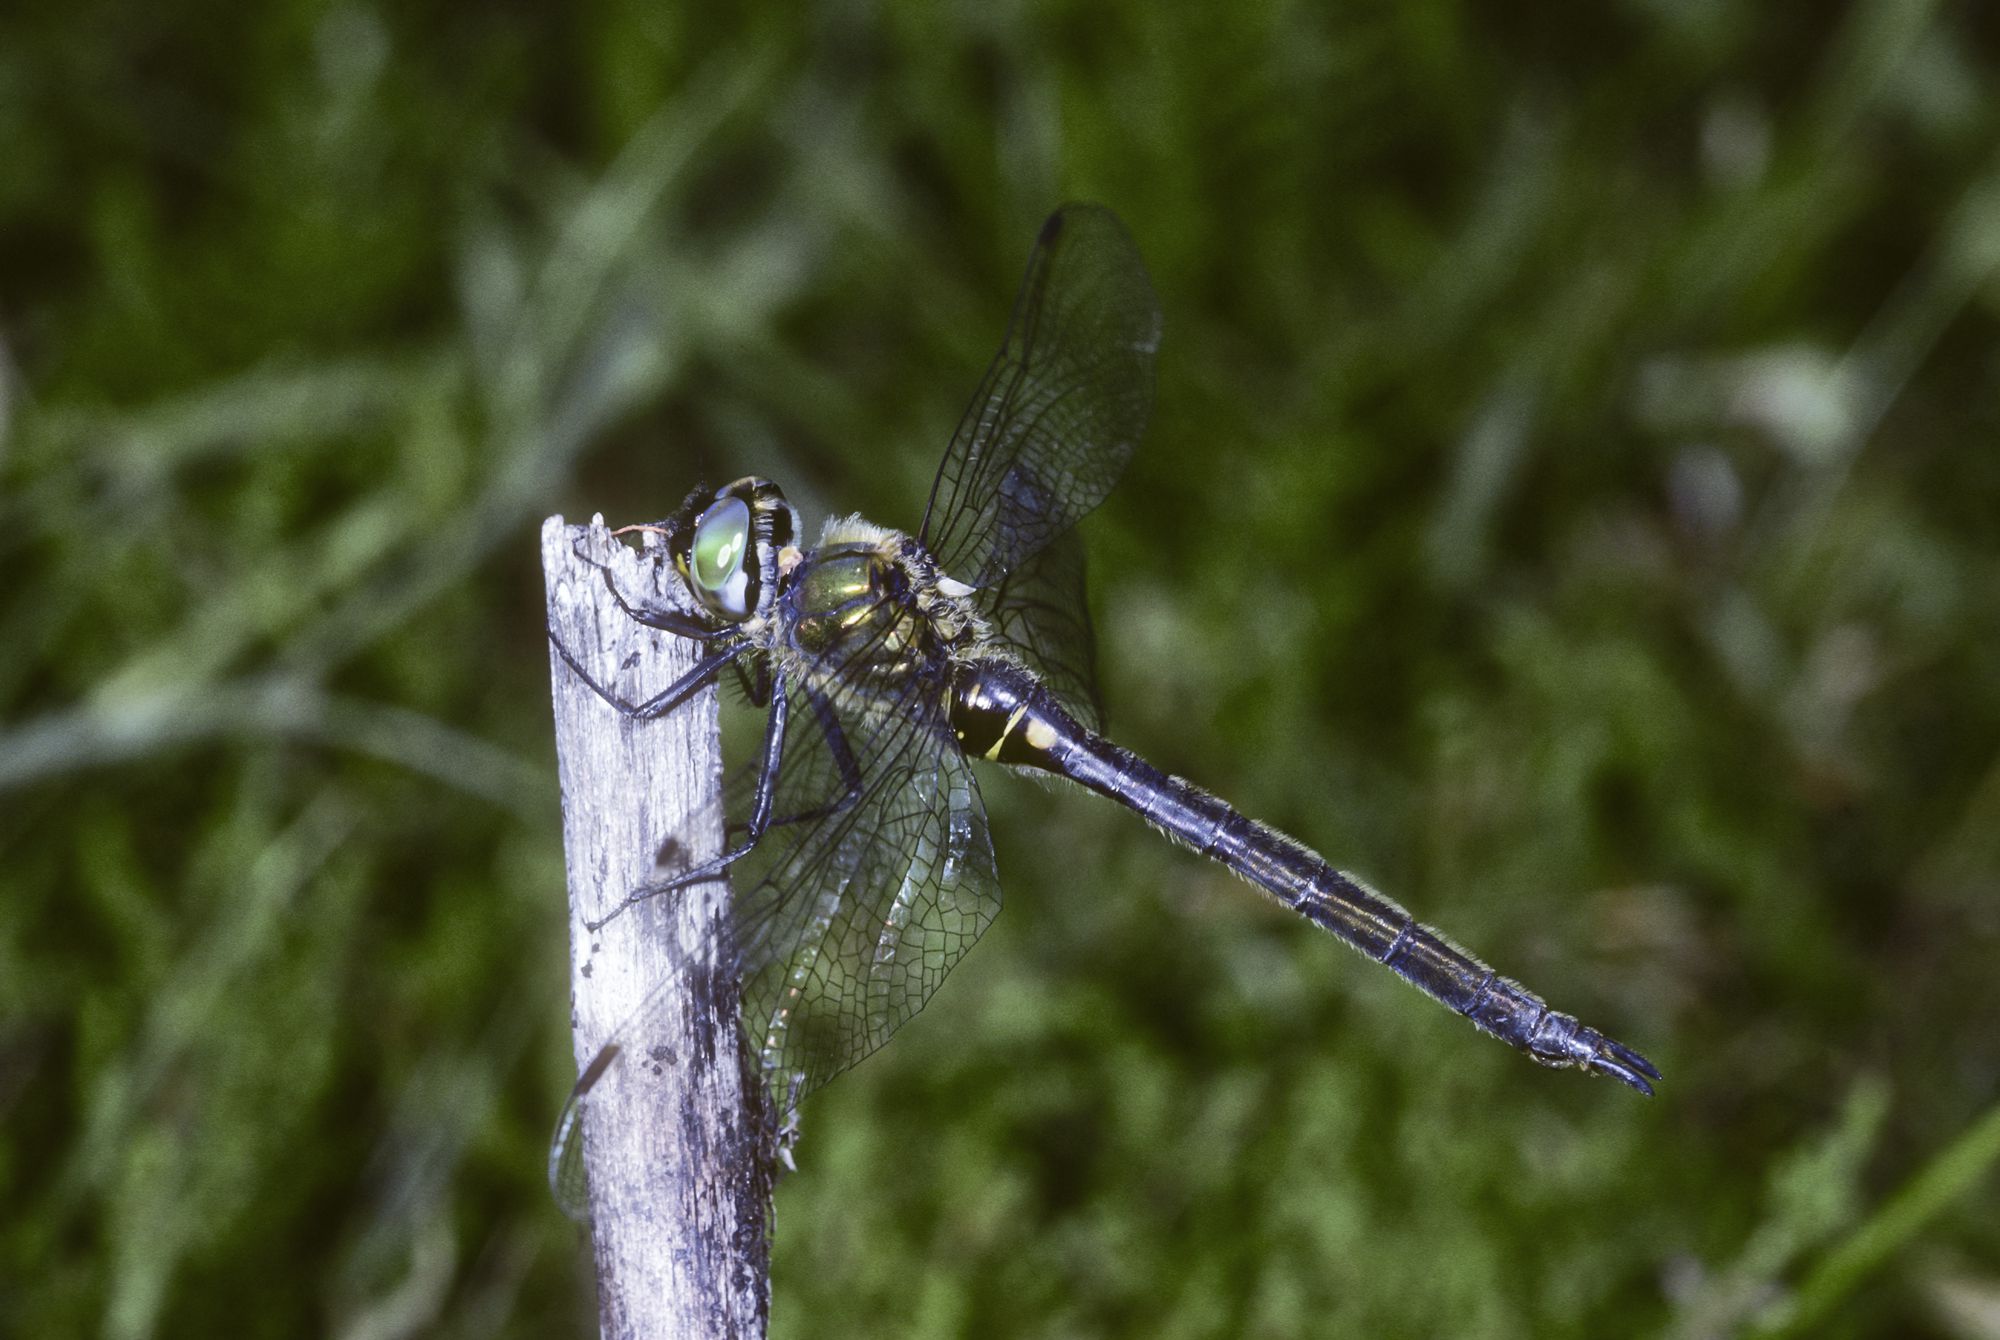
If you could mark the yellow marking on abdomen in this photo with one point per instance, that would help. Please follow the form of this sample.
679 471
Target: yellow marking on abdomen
993 754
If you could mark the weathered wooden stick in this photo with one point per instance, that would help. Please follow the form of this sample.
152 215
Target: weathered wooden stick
675 1150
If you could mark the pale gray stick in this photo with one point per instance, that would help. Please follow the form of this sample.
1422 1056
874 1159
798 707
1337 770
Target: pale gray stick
679 1177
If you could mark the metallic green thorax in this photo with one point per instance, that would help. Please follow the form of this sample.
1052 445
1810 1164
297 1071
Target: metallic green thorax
868 610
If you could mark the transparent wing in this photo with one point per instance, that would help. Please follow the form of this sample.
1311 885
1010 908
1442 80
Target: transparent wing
1054 423
1038 610
875 877
850 921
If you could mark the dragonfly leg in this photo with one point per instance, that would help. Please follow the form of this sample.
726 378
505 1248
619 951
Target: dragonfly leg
678 623
764 798
755 681
667 699
843 759
761 802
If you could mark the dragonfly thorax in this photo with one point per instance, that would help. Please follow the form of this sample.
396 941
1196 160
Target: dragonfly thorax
870 603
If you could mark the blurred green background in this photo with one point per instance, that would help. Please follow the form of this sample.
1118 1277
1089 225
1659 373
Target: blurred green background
1572 503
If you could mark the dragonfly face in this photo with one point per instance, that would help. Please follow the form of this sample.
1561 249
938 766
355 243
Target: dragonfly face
730 546
890 661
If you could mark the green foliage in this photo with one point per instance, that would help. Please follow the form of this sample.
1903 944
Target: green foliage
1573 503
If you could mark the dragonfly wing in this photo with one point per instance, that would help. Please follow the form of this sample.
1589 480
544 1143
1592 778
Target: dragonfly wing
849 922
874 878
1038 612
1061 408
815 782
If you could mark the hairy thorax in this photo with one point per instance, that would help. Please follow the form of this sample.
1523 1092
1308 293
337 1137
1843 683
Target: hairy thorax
867 613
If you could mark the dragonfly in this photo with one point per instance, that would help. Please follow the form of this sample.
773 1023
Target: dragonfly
888 662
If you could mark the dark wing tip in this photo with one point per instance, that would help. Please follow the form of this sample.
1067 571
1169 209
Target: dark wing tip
1052 227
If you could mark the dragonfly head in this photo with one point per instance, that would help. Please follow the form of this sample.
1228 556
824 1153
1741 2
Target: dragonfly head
730 545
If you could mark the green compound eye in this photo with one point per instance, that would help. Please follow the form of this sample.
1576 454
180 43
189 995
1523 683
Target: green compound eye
720 538
715 559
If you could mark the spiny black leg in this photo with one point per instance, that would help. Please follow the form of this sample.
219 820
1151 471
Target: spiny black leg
843 758
668 698
756 682
764 796
760 815
667 621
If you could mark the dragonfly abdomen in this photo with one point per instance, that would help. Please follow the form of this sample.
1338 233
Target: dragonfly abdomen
1304 881
1002 713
